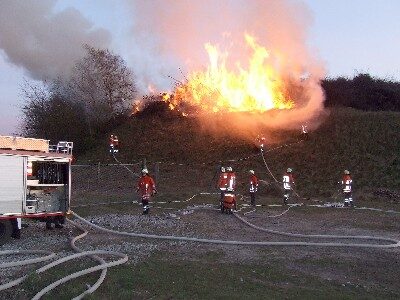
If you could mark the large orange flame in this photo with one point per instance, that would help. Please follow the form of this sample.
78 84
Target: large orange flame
257 88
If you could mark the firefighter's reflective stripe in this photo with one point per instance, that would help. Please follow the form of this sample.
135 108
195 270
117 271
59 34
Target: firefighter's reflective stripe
229 196
231 182
145 196
286 182
347 185
29 169
253 184
223 181
146 186
146 192
348 197
253 188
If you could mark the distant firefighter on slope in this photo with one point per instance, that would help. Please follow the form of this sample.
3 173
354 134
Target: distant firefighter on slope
304 132
113 142
260 142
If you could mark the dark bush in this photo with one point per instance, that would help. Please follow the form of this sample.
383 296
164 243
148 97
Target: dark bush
362 92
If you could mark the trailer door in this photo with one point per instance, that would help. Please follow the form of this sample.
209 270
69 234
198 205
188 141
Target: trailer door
12 184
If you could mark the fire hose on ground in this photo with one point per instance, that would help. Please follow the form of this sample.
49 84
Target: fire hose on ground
392 243
272 175
129 170
123 258
93 254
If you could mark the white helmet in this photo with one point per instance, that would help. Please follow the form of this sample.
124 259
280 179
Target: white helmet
347 172
145 171
223 169
229 169
251 172
289 170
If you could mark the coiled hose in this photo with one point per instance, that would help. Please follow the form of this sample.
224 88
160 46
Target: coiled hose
103 265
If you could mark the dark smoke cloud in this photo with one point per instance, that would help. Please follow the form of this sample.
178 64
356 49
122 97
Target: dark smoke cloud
43 42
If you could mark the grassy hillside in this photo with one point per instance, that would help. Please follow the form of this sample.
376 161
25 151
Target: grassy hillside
366 143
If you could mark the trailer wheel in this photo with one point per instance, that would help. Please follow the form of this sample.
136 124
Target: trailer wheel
5 231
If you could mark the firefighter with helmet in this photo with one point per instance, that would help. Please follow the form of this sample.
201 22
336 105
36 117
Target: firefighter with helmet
229 202
111 143
116 144
347 183
253 187
222 184
231 179
260 142
146 187
288 184
304 132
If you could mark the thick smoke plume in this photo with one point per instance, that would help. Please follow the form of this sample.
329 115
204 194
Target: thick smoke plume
180 28
44 42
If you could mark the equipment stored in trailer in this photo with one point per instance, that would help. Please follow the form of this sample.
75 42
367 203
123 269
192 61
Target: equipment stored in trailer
35 182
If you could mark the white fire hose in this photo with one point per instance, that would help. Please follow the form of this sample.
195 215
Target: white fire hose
129 170
392 243
103 265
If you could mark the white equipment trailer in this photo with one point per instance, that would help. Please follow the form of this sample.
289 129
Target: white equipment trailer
35 182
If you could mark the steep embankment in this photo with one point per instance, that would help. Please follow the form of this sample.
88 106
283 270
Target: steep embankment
366 143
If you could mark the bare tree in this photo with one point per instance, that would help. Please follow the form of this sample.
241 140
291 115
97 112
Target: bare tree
104 84
98 95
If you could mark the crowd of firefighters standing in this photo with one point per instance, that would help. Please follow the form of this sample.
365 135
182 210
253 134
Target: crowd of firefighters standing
227 186
227 182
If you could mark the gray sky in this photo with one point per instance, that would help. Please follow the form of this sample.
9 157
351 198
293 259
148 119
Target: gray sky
348 36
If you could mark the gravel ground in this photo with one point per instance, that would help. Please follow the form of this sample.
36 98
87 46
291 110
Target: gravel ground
205 222
35 237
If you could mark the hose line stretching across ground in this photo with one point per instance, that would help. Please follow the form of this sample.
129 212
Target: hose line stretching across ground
393 243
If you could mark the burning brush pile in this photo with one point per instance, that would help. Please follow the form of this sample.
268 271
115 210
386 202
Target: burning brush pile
260 85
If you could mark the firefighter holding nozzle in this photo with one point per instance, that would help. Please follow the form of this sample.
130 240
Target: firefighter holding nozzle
147 188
